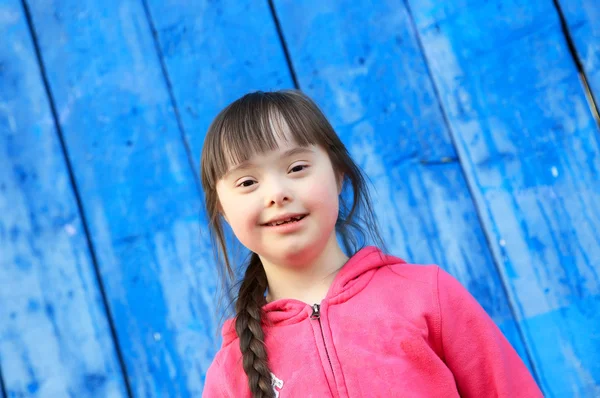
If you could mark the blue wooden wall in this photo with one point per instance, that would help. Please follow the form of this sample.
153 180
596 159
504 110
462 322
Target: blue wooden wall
476 121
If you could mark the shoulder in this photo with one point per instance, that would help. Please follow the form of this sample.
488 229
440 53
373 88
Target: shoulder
411 290
426 274
425 280
229 353
407 285
399 272
427 287
214 385
225 376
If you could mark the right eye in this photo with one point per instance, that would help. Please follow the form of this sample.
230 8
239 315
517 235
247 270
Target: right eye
246 183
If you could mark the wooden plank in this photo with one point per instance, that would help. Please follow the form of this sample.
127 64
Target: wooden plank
583 23
213 54
530 150
2 389
55 340
139 192
362 63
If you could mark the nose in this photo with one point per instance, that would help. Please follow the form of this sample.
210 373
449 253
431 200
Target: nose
277 194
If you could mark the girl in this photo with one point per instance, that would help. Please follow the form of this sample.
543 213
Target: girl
310 321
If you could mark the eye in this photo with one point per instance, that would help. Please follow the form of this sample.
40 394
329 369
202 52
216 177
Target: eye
246 183
298 168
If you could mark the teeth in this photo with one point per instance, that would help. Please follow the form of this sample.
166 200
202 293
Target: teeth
298 218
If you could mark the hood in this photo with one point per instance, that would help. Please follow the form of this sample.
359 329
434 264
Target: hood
350 280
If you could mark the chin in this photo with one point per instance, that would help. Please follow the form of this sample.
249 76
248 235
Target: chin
299 254
287 255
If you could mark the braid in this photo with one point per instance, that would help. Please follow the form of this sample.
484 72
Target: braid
248 325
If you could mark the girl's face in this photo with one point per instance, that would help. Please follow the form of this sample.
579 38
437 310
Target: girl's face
283 204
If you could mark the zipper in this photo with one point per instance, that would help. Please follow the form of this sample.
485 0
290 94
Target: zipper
316 314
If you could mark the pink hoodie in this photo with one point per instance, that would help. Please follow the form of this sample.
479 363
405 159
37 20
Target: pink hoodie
385 329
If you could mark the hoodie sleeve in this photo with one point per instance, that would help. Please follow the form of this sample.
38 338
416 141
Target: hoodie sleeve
214 383
483 362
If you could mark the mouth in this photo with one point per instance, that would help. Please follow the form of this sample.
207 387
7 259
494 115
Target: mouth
288 220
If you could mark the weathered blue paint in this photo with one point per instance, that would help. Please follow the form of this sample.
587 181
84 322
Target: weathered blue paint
2 390
583 22
54 337
529 147
138 189
363 65
513 106
214 53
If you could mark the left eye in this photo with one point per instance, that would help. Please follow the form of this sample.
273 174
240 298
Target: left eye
298 168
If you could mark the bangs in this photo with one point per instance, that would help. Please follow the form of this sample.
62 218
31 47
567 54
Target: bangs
253 125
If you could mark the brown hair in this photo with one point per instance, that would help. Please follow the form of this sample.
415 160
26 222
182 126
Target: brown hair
249 126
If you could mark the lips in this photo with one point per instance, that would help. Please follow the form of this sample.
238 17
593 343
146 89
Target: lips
284 220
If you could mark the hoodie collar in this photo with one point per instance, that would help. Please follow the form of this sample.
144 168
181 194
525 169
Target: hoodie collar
351 279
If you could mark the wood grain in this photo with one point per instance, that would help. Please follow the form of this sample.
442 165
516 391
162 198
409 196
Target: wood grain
583 23
213 54
138 189
469 117
529 147
55 340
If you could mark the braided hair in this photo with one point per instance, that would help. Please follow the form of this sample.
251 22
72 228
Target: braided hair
248 325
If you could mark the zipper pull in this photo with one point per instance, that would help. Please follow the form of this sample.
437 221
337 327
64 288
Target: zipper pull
316 314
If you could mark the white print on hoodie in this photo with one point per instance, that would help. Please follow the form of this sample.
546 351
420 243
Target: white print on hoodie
276 383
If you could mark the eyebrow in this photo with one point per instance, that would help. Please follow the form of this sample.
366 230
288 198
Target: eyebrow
290 152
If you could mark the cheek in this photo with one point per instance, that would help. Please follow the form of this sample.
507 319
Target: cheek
324 196
241 215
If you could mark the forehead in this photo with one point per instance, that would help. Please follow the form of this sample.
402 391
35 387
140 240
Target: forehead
286 149
277 138
244 135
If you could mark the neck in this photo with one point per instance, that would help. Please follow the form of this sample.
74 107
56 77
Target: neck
308 282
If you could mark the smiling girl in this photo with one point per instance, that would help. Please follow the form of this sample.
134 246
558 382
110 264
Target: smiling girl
312 319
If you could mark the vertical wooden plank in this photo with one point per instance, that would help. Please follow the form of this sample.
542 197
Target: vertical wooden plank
2 390
583 23
529 147
213 54
138 190
55 340
362 63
